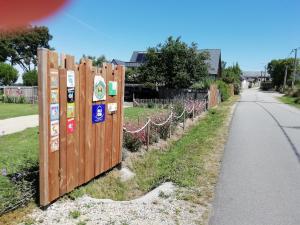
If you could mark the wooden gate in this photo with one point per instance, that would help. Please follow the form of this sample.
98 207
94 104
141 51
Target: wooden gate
80 121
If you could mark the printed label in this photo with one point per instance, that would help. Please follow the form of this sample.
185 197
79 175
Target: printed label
54 144
98 113
99 88
70 125
54 96
70 95
112 107
54 81
70 110
54 128
70 78
112 88
54 112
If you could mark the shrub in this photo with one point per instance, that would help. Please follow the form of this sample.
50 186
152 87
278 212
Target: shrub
224 90
150 105
237 88
132 142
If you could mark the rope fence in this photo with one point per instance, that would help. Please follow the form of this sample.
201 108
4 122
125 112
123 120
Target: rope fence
196 109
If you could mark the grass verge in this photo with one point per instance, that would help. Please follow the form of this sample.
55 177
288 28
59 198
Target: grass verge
289 100
9 110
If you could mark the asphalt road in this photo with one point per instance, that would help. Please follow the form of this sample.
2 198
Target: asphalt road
259 182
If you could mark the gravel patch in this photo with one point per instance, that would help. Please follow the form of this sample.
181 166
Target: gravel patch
159 206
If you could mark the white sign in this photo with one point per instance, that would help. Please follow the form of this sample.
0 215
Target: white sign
99 93
112 107
70 78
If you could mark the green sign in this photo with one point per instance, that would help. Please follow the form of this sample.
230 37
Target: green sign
112 88
99 89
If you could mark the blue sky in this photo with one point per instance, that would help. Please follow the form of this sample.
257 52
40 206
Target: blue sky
249 32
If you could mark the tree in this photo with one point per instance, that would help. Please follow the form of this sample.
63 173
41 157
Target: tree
174 64
96 61
8 74
30 78
132 75
231 74
276 69
19 47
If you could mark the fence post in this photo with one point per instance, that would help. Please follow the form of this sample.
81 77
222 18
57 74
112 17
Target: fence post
193 112
148 133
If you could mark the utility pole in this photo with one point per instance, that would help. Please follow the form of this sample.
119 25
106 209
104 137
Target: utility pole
295 68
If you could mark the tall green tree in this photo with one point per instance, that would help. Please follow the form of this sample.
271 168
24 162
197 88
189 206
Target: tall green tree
19 47
231 74
276 69
8 74
174 64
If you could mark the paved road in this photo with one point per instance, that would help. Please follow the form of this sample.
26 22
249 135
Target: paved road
259 182
16 124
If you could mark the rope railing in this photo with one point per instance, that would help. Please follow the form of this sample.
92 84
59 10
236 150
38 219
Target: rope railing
186 110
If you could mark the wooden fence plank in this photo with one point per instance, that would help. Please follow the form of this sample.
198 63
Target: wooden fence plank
121 91
72 159
53 157
63 131
108 122
115 121
43 125
82 136
89 131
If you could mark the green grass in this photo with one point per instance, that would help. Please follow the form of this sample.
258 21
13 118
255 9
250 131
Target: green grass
135 113
74 214
289 100
9 110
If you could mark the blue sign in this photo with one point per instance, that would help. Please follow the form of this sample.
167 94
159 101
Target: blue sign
98 113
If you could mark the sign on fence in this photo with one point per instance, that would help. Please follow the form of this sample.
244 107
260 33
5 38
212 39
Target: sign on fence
80 122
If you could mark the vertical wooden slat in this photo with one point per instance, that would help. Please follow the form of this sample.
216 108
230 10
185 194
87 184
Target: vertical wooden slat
115 121
63 130
82 135
100 136
89 131
77 122
108 123
121 91
72 178
43 125
53 163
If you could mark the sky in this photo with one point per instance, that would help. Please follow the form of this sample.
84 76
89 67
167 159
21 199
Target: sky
248 32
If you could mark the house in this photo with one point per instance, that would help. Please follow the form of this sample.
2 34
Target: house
253 77
214 61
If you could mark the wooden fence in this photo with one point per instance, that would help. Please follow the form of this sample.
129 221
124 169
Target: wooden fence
29 93
80 122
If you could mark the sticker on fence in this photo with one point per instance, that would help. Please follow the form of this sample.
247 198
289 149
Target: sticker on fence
99 88
54 112
112 107
54 79
54 144
112 88
98 113
54 128
70 125
71 95
70 78
70 110
54 96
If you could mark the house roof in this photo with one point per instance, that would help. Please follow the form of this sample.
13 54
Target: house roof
118 62
214 60
138 57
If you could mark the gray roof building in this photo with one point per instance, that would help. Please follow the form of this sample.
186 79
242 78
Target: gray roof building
214 61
